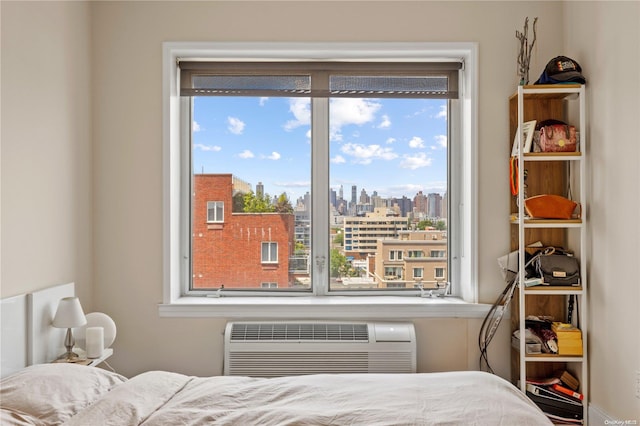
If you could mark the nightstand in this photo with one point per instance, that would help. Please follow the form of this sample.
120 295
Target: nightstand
91 362
94 362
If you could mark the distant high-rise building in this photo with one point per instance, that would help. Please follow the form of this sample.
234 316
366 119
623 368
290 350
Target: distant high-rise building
259 190
420 203
434 208
364 198
307 201
354 194
341 193
405 204
445 204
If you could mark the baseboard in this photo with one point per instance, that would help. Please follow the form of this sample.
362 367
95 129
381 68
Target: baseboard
599 417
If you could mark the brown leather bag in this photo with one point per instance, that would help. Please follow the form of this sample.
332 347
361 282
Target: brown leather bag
549 207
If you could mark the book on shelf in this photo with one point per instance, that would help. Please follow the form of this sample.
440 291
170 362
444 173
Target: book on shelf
559 388
568 379
543 381
555 403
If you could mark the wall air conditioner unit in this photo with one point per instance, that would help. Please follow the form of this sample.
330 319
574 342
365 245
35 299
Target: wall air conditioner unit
290 348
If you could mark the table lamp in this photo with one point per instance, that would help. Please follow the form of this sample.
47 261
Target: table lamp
68 315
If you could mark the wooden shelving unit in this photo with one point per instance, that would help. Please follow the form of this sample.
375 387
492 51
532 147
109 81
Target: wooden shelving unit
549 173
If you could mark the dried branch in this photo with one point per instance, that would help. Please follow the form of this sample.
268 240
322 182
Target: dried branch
524 55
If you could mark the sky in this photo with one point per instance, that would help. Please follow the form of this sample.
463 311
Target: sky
396 147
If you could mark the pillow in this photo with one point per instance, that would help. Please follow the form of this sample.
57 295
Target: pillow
53 393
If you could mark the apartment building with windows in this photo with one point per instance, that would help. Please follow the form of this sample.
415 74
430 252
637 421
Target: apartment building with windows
414 259
237 249
361 234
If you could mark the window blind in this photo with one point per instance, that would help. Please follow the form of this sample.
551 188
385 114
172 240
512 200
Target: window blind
321 79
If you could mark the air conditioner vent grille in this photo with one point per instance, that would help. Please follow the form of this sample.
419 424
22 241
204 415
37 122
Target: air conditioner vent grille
334 332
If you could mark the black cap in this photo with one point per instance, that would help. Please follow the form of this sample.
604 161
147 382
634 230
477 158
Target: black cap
561 69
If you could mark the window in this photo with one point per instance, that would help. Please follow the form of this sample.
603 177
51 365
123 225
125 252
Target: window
269 285
415 253
418 272
269 252
393 273
345 117
439 273
215 211
438 253
395 255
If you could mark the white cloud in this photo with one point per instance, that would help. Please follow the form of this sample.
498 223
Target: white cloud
263 100
416 142
391 140
299 184
406 189
246 154
441 140
346 111
385 123
274 156
442 113
236 126
203 147
195 127
365 154
338 159
301 110
343 112
416 161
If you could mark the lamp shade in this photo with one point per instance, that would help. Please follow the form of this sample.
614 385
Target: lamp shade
69 313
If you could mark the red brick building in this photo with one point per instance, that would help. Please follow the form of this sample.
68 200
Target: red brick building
237 250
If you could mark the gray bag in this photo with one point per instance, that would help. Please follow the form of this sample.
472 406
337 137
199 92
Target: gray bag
558 269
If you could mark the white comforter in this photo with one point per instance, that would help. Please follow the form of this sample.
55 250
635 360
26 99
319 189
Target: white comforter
456 398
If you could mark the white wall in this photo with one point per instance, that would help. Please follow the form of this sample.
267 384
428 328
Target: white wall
128 134
47 174
119 270
608 49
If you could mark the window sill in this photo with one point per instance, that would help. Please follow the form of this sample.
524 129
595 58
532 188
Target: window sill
360 307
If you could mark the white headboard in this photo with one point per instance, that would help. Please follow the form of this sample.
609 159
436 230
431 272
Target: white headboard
46 342
27 335
13 344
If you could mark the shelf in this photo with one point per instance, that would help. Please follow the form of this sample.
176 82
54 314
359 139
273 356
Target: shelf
552 156
547 223
550 173
549 91
553 290
546 357
553 358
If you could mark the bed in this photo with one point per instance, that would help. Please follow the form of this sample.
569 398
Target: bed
77 395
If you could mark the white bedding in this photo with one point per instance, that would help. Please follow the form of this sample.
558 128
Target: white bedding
455 398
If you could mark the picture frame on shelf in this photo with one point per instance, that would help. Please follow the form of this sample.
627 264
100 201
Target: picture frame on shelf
528 129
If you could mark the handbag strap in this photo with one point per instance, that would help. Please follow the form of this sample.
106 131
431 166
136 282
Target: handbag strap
514 182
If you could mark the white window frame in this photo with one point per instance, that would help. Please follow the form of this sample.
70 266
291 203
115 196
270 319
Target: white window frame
395 255
436 275
271 257
420 275
397 272
439 254
268 285
463 201
215 204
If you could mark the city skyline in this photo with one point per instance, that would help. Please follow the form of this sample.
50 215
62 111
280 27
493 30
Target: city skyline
396 147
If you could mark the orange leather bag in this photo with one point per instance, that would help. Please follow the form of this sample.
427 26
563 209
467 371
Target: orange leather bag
549 207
